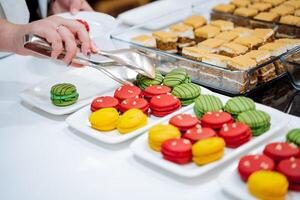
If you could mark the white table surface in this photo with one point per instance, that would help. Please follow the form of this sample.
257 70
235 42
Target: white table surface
41 158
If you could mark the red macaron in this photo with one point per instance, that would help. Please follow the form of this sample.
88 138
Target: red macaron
184 121
154 90
162 105
291 169
104 102
198 133
177 150
235 134
281 150
215 120
139 103
127 92
252 163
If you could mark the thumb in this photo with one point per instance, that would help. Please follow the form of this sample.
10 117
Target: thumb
75 6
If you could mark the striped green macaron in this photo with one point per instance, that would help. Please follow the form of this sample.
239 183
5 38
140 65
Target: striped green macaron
63 94
142 81
207 103
237 105
175 77
293 136
259 121
186 92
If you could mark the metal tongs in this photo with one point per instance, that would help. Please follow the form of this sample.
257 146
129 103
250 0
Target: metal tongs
129 58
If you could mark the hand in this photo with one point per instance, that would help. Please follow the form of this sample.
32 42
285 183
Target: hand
73 6
59 32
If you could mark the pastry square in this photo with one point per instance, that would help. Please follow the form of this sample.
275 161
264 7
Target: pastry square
166 41
185 34
195 21
245 12
241 63
297 13
260 56
145 40
266 34
283 10
194 53
227 36
206 32
275 49
290 20
217 60
233 49
249 41
260 6
226 8
267 16
242 31
293 3
240 3
223 25
289 43
211 45
274 2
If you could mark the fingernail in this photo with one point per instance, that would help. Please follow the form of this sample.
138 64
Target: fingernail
74 11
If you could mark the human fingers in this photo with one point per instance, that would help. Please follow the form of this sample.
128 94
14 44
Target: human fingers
75 6
85 6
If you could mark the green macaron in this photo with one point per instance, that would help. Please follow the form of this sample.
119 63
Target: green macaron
293 136
142 81
63 94
186 93
207 103
237 105
259 121
175 77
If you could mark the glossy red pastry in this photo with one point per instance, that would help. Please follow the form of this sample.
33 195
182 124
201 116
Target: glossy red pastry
291 169
184 121
177 150
154 90
198 133
162 105
216 120
127 92
235 134
104 102
281 150
139 103
252 163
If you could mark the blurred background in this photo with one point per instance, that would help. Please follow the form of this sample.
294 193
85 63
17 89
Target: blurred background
115 7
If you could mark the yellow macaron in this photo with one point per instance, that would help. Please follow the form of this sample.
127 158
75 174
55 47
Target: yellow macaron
104 119
268 185
160 133
131 120
208 150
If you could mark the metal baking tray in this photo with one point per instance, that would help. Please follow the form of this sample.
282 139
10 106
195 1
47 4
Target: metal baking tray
212 76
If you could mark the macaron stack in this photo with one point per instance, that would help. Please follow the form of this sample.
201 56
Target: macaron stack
104 102
186 92
131 120
105 119
176 77
143 82
184 121
198 133
237 105
271 174
127 92
63 94
138 103
293 136
162 105
155 90
177 150
207 103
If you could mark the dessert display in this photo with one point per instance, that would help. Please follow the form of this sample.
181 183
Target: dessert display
272 174
262 14
63 94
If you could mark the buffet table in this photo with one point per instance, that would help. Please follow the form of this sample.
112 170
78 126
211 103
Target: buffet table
42 158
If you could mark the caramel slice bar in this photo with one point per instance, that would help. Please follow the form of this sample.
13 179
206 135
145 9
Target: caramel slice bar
283 10
274 2
145 40
223 25
232 49
227 36
250 41
166 41
275 49
240 3
185 34
297 13
195 21
226 8
260 6
260 56
211 45
266 34
290 20
241 31
245 12
293 3
215 59
241 63
206 32
267 16
194 53
289 43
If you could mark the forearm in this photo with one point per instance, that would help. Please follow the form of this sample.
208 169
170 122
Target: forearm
8 40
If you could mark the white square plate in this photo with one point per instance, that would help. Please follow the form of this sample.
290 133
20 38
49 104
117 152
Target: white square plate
232 184
79 121
141 149
88 81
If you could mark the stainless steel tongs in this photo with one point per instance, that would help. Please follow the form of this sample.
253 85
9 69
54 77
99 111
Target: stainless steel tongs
129 58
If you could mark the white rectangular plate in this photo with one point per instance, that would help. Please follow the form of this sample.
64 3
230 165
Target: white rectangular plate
88 81
79 121
232 184
141 149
